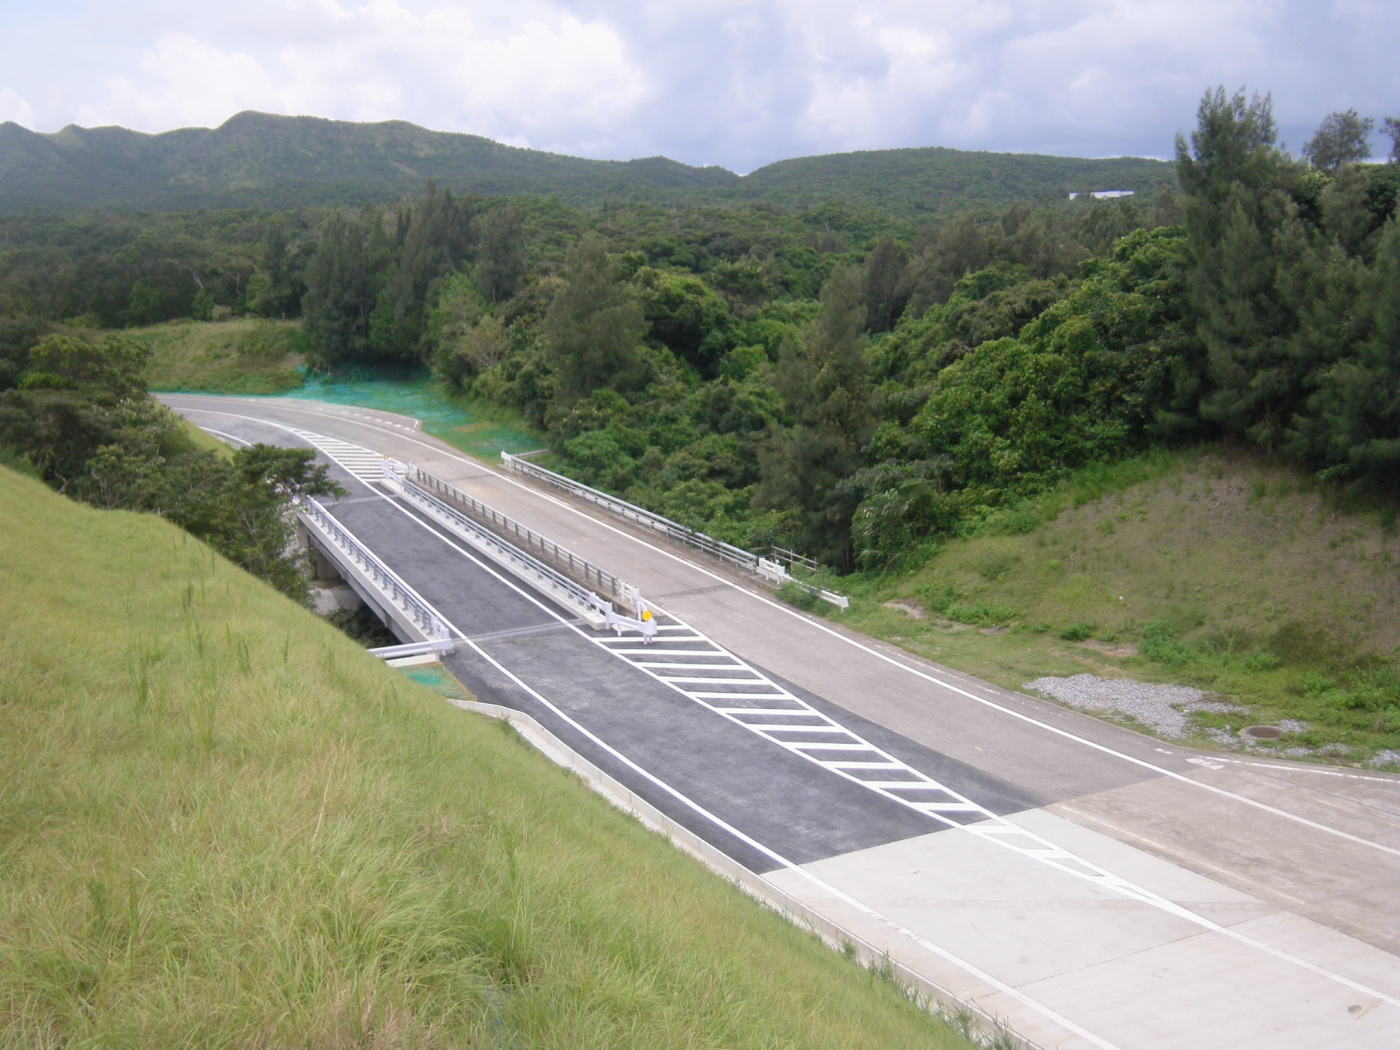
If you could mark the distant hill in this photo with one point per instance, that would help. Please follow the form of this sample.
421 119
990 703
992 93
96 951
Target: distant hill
931 180
261 160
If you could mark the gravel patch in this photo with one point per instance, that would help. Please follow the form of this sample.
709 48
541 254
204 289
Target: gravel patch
1291 725
1165 708
1388 757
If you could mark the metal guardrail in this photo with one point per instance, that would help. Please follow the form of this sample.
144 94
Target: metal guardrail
573 592
674 530
565 561
400 593
765 568
793 558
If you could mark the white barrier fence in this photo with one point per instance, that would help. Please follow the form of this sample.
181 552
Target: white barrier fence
772 570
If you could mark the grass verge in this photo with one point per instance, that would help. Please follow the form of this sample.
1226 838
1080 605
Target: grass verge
245 356
223 824
1206 568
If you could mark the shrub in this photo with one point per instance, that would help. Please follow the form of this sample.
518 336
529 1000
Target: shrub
1159 642
1077 632
979 614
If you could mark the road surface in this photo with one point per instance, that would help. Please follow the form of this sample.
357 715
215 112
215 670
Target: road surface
1154 898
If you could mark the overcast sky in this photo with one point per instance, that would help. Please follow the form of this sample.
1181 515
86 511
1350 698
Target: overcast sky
716 82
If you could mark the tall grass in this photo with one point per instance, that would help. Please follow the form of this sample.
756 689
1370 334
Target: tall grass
223 825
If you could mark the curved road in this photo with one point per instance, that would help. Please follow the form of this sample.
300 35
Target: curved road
1266 910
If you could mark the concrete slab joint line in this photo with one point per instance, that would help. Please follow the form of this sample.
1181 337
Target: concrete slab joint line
988 827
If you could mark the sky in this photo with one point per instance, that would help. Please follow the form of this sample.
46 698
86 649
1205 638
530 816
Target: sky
739 84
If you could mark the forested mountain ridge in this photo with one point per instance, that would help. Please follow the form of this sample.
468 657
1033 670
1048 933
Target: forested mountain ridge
263 160
257 159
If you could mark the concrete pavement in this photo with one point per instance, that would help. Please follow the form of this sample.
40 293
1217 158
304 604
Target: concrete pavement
1314 874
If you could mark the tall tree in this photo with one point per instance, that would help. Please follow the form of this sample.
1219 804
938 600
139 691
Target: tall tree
1341 138
501 253
1391 127
1239 217
886 289
340 293
434 236
594 326
824 380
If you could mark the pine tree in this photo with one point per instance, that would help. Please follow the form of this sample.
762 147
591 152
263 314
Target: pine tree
594 327
824 381
339 293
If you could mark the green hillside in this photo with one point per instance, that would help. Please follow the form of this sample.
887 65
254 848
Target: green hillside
934 180
257 159
223 824
1207 567
262 160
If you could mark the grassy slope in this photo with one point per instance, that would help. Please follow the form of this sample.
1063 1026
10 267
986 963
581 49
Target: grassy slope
245 356
1280 599
223 824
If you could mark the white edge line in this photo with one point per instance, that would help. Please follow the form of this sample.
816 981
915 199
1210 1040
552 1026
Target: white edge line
1207 924
1143 763
713 818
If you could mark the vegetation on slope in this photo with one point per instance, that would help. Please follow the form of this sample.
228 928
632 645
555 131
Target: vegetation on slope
224 824
244 356
855 387
78 416
1209 567
268 161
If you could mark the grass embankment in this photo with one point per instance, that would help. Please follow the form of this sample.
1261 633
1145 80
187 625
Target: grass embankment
252 356
222 824
1205 568
245 356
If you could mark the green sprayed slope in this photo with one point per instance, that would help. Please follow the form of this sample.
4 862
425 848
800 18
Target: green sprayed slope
222 824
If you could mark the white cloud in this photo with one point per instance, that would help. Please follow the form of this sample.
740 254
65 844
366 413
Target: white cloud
184 82
14 108
550 78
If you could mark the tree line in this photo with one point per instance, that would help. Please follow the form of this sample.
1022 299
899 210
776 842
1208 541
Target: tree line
833 379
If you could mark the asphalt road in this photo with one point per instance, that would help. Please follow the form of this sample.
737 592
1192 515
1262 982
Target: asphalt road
1284 878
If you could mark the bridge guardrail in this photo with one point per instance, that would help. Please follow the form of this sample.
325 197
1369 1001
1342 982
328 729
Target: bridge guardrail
770 569
736 556
572 593
546 550
399 592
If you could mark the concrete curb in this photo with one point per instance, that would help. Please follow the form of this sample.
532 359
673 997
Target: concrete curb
935 996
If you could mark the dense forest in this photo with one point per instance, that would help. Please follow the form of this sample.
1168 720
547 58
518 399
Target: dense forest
838 380
268 161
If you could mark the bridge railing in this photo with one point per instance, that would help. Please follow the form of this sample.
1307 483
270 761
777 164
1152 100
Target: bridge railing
572 592
384 578
735 556
765 568
531 542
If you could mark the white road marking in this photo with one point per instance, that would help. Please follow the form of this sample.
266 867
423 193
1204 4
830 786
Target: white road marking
1313 769
994 831
789 611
